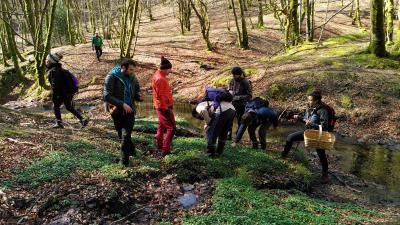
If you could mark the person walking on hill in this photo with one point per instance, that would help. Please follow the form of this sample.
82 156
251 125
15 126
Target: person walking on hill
121 91
163 103
63 89
97 45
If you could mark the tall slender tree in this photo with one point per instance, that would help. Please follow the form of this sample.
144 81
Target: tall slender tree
377 44
201 10
389 11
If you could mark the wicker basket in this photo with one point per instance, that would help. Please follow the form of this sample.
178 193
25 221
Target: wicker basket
319 139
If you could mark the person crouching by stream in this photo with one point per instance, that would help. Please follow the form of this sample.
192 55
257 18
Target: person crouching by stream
121 90
63 89
257 114
316 114
220 124
163 103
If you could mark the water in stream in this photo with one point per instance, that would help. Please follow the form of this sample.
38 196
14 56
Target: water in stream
373 163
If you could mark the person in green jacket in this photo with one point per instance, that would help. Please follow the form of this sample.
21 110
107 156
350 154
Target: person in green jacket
97 43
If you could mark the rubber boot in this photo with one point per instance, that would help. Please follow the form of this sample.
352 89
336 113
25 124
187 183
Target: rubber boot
286 150
124 158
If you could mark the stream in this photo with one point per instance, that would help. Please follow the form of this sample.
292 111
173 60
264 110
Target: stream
376 164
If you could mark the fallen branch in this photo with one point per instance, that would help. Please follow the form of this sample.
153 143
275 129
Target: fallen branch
126 217
344 183
19 142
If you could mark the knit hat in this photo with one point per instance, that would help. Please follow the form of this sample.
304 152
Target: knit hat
236 70
165 63
54 58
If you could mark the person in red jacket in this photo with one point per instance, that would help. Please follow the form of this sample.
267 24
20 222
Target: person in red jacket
163 102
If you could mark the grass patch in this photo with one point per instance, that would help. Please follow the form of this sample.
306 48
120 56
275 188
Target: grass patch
279 91
235 201
370 61
344 39
79 155
346 102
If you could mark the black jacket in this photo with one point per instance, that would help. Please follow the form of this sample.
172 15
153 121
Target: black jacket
318 116
242 91
57 80
113 92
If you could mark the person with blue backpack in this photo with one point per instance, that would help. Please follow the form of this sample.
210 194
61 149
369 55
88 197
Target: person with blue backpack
220 124
317 113
257 114
211 99
63 86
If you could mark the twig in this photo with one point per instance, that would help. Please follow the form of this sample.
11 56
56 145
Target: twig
344 183
126 217
323 26
283 112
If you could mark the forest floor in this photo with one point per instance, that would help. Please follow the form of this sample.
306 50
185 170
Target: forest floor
66 176
71 176
363 89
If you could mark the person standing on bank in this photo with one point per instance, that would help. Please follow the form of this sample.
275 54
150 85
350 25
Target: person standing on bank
121 90
97 44
241 89
163 103
63 89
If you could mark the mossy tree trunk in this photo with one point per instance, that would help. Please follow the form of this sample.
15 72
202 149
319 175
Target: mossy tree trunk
357 14
132 29
389 21
201 10
245 37
260 23
377 44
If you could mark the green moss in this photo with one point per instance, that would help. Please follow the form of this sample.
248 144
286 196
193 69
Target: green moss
114 172
346 102
11 131
221 81
250 71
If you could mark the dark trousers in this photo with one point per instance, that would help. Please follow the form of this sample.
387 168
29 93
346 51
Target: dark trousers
124 125
262 133
99 51
299 136
239 113
67 101
220 125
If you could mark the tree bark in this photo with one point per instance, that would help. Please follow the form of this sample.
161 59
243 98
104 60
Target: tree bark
389 21
377 44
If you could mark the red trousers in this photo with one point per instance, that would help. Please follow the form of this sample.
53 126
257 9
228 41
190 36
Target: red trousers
166 124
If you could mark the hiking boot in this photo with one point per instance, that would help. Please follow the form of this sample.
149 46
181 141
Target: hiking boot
254 146
210 152
284 154
325 178
58 125
124 159
263 146
163 154
84 122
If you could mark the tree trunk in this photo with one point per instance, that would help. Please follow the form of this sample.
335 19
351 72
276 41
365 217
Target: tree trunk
71 35
12 48
245 37
202 15
260 23
239 34
389 21
357 14
377 45
132 29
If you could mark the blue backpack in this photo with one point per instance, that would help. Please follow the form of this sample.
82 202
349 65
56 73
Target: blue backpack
214 95
255 104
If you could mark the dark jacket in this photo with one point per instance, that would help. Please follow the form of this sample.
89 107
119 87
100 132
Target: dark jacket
318 116
242 91
113 92
57 80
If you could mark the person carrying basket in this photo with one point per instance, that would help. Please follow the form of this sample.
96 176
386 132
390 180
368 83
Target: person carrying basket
318 114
